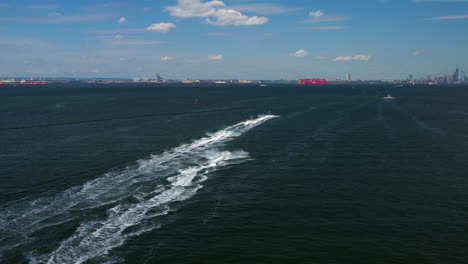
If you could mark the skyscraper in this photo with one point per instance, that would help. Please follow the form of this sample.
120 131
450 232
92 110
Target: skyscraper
455 76
448 78
348 77
411 77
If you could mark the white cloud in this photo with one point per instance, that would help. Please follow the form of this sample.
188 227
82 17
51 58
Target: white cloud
317 13
194 8
215 57
161 27
263 9
146 9
359 57
418 52
126 59
119 37
320 57
122 20
299 53
227 17
325 19
319 16
214 9
464 16
166 58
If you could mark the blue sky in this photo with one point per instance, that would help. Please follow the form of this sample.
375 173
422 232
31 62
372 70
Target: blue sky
233 39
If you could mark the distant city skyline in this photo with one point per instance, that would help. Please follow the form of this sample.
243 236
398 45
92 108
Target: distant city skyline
234 39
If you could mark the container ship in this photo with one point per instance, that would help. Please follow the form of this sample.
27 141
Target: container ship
312 81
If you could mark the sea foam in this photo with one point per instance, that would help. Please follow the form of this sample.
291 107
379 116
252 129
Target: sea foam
135 197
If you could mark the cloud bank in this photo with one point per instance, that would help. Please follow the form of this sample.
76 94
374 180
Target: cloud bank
319 16
122 20
463 16
166 58
215 57
417 52
215 13
161 27
299 53
359 57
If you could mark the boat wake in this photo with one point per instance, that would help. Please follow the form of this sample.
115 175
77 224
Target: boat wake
133 199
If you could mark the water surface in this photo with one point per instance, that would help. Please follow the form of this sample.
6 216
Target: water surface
279 174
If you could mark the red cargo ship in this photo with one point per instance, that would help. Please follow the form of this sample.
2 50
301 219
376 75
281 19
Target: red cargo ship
312 81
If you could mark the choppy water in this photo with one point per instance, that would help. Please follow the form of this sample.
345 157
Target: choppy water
139 174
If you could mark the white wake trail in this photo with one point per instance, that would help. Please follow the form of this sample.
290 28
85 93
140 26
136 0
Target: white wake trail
154 183
95 239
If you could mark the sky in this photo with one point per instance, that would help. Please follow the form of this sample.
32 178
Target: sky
233 39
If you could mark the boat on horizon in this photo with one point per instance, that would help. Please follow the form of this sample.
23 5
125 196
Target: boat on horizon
312 81
389 97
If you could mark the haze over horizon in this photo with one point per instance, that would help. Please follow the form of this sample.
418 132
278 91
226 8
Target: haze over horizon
233 39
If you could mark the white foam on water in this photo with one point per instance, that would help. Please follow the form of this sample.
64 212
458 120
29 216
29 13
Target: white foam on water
96 238
154 184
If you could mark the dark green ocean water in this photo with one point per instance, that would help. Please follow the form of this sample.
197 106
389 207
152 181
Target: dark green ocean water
280 174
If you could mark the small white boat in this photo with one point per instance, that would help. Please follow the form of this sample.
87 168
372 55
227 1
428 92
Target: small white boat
263 85
389 97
